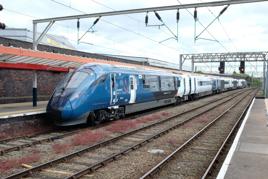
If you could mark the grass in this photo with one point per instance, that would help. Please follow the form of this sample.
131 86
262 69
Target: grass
165 114
122 126
87 137
12 163
151 117
60 148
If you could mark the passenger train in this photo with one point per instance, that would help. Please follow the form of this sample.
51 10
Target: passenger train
97 92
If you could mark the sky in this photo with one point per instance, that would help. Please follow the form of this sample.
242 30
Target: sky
241 28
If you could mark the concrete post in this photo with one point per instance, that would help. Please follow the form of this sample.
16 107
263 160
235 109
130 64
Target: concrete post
35 89
192 64
181 62
263 82
266 81
34 36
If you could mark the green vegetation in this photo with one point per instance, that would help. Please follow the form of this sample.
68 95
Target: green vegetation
253 81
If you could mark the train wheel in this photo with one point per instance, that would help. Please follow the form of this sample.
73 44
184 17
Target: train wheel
101 116
121 112
91 118
178 101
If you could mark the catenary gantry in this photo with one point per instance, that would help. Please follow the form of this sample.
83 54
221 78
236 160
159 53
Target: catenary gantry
225 57
51 21
229 57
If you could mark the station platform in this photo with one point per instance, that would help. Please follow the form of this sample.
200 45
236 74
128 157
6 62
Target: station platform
248 155
21 109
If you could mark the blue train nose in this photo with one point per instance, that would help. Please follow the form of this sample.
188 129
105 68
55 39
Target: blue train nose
67 111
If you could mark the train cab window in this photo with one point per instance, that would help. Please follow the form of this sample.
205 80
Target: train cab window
79 77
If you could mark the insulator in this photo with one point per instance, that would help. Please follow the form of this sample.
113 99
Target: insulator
2 26
178 15
158 16
195 14
146 19
223 10
1 7
96 21
78 24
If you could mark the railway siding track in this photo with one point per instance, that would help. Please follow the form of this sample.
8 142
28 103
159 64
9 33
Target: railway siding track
195 158
19 143
100 153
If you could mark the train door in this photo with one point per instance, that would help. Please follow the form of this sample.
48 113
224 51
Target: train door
179 86
184 87
133 88
194 85
113 87
190 85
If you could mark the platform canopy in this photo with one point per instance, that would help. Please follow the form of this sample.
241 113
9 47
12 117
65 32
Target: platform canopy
20 58
20 55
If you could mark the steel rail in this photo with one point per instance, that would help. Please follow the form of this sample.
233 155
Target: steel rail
35 142
152 171
99 144
241 117
48 139
133 147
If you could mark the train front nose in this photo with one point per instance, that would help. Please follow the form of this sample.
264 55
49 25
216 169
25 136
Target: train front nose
60 112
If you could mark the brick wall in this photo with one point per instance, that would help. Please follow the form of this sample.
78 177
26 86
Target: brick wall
16 85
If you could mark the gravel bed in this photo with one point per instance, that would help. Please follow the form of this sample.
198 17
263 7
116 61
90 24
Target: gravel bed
185 163
46 151
135 163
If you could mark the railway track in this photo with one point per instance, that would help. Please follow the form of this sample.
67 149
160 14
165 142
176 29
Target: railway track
196 157
84 161
19 143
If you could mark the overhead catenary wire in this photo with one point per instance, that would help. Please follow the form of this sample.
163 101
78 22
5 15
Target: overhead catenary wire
137 20
206 30
118 26
90 29
217 17
229 38
22 14
87 43
160 19
224 30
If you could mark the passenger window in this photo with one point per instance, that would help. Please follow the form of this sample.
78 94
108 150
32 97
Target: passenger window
152 82
167 83
178 83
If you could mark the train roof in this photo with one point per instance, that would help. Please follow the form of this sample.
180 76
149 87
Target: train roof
128 69
104 68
